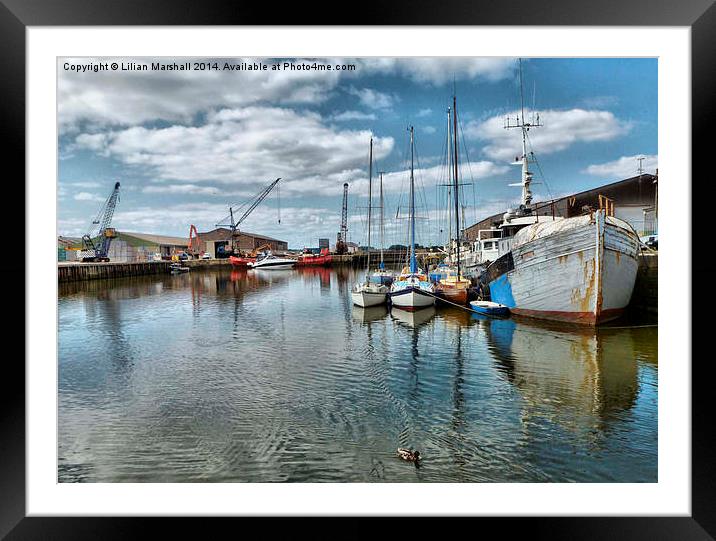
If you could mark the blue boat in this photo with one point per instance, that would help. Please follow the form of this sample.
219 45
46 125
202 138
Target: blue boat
489 308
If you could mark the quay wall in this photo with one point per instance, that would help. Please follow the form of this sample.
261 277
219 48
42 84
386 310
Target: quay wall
646 288
71 272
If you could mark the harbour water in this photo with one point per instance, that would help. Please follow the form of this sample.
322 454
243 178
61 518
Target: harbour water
263 376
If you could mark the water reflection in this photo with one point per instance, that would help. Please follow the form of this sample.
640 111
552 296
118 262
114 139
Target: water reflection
600 378
372 313
258 376
413 319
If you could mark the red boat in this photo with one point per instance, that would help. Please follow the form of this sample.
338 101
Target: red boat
324 259
241 261
244 258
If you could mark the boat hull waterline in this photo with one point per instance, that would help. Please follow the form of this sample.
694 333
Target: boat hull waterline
273 264
583 271
411 298
365 299
242 262
452 294
487 308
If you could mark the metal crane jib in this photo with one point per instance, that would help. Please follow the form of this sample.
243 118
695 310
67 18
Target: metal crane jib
96 242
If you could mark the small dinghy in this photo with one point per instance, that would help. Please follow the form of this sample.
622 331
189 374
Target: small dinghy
489 308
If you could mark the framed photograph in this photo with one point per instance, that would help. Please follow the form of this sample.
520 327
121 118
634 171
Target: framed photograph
376 270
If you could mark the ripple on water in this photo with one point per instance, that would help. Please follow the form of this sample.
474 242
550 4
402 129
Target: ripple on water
231 377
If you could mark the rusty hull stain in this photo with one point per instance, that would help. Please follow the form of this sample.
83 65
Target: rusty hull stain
583 299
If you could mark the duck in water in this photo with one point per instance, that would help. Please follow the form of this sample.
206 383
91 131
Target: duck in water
409 455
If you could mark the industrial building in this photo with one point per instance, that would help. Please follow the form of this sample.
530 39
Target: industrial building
217 240
129 247
634 200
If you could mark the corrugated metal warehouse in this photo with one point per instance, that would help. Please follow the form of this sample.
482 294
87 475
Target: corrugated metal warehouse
129 247
210 241
634 201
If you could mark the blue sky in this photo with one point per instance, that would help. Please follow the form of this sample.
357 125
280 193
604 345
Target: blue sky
185 145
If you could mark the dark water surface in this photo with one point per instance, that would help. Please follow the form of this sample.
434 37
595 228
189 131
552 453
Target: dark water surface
274 376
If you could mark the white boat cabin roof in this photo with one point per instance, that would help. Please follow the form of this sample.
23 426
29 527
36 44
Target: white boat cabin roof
529 220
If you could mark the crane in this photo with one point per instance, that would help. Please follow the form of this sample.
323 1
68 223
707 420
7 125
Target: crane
341 244
194 247
252 204
95 243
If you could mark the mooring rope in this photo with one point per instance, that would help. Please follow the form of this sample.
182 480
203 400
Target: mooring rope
461 306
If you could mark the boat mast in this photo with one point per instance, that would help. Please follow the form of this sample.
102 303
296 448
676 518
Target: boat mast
382 265
370 202
449 178
413 262
525 127
455 185
526 192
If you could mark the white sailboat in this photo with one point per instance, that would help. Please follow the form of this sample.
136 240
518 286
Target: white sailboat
382 275
367 293
412 289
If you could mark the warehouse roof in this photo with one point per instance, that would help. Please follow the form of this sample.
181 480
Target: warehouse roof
223 233
638 189
156 239
68 241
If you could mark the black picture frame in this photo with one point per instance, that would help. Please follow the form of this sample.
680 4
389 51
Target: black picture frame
699 15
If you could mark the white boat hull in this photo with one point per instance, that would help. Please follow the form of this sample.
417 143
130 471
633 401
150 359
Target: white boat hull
583 272
411 299
282 264
367 298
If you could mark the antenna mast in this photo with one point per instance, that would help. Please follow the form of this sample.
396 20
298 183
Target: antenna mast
525 127
640 169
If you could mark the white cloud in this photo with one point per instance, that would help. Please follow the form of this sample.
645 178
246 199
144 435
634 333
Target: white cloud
426 177
92 141
424 112
352 115
441 70
124 98
560 130
373 98
134 97
192 189
71 227
298 224
247 148
86 184
624 167
86 196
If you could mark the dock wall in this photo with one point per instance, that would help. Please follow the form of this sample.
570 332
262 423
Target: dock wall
645 297
71 272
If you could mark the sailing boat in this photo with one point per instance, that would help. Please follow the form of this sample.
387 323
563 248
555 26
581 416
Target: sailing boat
412 289
382 275
367 293
453 286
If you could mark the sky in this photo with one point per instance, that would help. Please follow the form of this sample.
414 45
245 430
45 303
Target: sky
186 145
